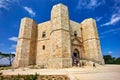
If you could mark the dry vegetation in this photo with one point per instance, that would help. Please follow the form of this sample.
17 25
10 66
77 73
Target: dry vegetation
30 77
33 77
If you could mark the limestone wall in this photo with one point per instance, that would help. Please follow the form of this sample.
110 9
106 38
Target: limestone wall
60 38
43 54
76 41
74 26
91 40
59 17
25 52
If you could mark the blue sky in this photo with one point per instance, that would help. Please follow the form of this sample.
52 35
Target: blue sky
105 12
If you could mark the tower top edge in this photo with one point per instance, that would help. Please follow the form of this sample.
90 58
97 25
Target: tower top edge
28 19
89 19
60 5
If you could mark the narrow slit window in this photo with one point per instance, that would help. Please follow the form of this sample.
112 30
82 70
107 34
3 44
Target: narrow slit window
75 33
43 35
81 29
43 47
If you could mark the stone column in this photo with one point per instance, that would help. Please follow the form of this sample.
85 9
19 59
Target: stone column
60 38
91 41
25 51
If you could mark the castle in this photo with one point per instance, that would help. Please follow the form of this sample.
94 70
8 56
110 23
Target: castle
58 42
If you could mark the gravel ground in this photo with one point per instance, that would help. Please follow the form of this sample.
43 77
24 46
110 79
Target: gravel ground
105 72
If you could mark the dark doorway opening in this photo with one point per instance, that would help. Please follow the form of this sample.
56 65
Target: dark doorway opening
75 57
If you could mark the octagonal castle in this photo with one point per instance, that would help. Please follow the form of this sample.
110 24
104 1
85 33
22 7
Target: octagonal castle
58 42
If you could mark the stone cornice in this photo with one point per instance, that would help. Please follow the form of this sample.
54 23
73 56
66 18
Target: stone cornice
90 39
58 30
24 38
43 39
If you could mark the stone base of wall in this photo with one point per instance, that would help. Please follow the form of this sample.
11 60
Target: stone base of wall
57 63
20 63
15 64
43 64
103 62
90 63
83 62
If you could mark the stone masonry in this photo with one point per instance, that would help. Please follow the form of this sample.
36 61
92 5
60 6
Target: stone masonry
58 42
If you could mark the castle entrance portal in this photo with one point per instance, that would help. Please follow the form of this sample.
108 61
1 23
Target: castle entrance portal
75 57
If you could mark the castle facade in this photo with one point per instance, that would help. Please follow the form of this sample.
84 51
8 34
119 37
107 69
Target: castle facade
59 42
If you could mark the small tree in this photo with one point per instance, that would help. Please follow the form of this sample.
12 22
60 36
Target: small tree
108 59
118 60
9 56
111 60
1 55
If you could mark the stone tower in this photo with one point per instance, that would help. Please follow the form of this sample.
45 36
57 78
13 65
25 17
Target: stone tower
59 42
25 51
91 42
60 38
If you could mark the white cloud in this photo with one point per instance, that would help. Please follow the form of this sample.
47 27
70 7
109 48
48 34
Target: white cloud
114 19
115 16
89 4
98 19
30 11
92 3
110 52
13 52
110 31
13 46
13 38
5 4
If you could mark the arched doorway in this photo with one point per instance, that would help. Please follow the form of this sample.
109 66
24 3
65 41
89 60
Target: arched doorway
75 57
